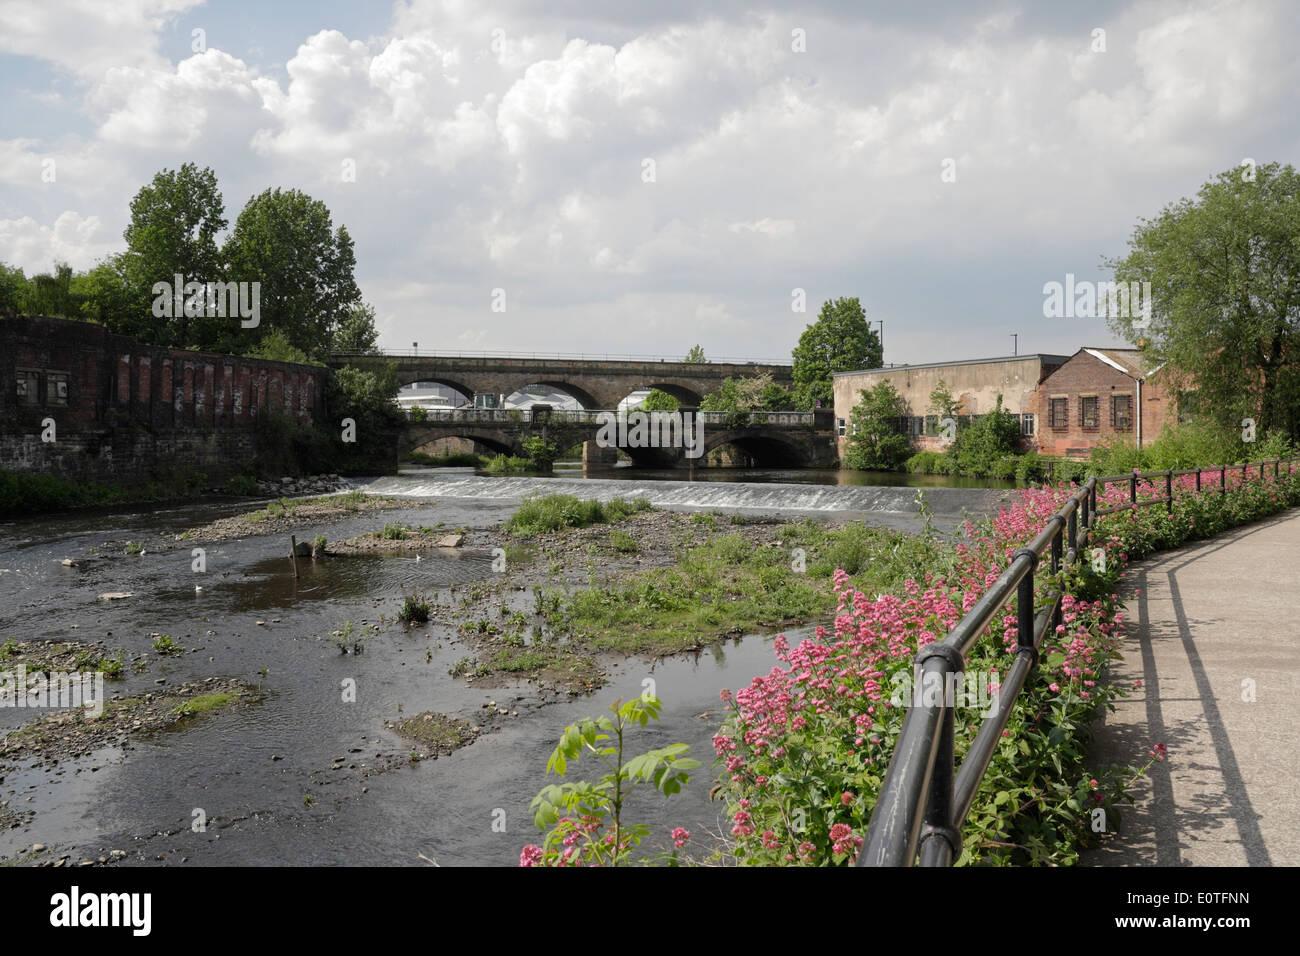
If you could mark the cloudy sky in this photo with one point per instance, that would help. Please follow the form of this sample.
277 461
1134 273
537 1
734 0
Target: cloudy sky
645 175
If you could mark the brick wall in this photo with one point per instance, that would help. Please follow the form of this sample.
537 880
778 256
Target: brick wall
1083 377
130 413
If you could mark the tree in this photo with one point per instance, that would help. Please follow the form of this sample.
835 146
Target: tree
988 439
743 395
1224 271
173 231
874 440
696 356
943 403
839 341
286 242
104 296
659 401
13 289
51 293
356 331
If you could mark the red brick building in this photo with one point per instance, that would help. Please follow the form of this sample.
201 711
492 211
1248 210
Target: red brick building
1097 394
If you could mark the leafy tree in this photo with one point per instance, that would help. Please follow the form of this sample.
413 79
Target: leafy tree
989 438
174 225
51 293
356 331
943 402
1225 280
696 355
839 341
286 241
275 346
104 296
13 289
659 401
874 440
755 393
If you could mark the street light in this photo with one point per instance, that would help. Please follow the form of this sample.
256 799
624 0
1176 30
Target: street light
415 347
882 342
1015 344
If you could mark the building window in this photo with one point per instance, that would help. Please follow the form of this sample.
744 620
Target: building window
839 427
29 388
1059 413
1027 425
56 388
932 424
1121 412
1186 407
1088 417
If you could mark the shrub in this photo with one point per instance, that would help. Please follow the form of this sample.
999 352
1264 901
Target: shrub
415 609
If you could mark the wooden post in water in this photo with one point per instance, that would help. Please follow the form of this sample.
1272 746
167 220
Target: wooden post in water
293 553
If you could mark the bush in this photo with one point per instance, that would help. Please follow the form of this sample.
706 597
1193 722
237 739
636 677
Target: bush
241 485
922 463
415 609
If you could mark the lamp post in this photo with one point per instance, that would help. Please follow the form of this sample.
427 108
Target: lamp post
415 347
882 342
1015 344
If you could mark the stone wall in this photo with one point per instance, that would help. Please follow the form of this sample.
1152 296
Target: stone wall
129 413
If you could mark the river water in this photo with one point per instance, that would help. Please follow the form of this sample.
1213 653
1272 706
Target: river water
451 809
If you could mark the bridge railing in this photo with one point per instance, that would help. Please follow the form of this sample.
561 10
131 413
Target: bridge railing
589 416
563 356
925 797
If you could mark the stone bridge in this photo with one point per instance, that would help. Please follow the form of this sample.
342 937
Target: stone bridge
596 383
763 439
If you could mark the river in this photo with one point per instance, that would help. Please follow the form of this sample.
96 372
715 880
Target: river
266 776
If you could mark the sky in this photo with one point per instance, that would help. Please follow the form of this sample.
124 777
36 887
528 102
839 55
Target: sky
640 177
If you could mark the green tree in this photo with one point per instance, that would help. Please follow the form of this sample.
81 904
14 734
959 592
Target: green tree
942 401
839 341
659 401
1225 281
104 296
696 355
13 289
874 440
987 439
286 242
356 331
174 225
50 293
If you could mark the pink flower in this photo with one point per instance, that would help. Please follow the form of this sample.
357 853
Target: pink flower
680 836
1054 688
846 798
530 856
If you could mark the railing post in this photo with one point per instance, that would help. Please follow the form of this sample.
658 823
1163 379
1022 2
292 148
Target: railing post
1277 467
1169 490
1074 531
1133 490
940 842
1261 471
1223 480
1198 480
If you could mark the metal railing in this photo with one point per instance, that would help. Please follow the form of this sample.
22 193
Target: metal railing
925 798
516 415
558 356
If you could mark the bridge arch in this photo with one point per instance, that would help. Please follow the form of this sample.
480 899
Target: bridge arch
762 450
413 438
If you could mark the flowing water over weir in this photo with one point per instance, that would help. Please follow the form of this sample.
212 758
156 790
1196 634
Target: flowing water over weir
268 777
772 497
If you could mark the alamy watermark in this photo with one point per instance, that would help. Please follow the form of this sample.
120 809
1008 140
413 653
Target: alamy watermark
978 689
220 300
54 690
651 430
1096 300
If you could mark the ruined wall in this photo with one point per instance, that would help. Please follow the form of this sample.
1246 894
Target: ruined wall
129 413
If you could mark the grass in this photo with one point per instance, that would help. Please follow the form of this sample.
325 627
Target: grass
415 609
539 514
622 542
348 501
204 703
393 532
167 647
727 583
506 465
111 667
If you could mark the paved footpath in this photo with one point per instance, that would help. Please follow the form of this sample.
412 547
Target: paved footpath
1215 639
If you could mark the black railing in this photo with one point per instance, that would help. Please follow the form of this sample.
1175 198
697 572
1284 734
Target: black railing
925 798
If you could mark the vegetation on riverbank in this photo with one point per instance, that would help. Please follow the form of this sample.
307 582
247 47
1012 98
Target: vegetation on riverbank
542 513
25 493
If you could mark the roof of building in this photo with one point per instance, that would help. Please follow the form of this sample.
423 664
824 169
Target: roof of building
1051 359
1129 361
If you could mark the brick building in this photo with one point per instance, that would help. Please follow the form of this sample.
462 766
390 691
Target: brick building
976 383
1097 394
